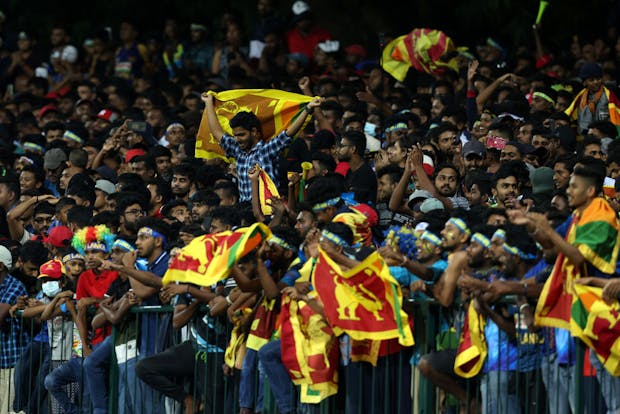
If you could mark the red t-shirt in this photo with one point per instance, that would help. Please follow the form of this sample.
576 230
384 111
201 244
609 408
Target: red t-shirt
93 285
297 43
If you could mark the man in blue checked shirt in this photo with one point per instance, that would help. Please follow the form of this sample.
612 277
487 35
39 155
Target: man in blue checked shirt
12 337
247 146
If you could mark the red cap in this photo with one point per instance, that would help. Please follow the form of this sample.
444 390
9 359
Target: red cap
59 236
107 115
51 269
47 108
355 50
136 152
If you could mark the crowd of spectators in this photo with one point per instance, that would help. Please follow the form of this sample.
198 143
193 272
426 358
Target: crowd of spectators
467 182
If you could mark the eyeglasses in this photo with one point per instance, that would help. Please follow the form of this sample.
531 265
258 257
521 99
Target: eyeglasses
135 212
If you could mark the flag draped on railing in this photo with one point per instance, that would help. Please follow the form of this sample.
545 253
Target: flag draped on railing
275 109
595 232
472 349
309 350
365 302
425 50
597 324
209 259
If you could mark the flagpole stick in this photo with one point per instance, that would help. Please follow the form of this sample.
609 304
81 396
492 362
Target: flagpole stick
381 95
578 373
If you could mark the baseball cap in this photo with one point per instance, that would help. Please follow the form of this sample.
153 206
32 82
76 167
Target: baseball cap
355 50
53 158
59 236
431 204
5 257
105 186
542 180
46 109
107 173
107 115
474 147
590 70
418 195
133 153
51 269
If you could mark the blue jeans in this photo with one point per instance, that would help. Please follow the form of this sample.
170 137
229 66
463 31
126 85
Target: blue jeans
609 385
496 398
250 372
30 371
558 380
95 371
130 389
270 356
67 373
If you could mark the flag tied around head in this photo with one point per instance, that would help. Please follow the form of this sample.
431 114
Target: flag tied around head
595 232
209 259
266 190
309 350
365 302
275 109
426 50
472 349
597 324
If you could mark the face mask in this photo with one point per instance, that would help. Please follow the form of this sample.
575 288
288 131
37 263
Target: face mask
51 289
370 129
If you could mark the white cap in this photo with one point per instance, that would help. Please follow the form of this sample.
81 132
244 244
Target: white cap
105 186
300 7
5 257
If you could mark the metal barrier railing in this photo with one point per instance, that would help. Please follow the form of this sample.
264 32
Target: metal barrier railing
522 375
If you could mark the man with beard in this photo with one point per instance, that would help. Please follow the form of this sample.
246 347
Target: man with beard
130 207
445 138
454 235
183 176
505 187
248 147
445 183
360 179
388 178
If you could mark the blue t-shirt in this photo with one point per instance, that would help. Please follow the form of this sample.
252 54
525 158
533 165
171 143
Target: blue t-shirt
151 329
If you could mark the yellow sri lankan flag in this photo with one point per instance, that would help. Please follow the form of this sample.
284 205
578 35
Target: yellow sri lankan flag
275 109
309 350
208 259
364 302
472 349
235 351
596 233
266 190
238 244
190 265
426 50
597 324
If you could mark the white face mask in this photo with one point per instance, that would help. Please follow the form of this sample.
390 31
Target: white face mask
51 289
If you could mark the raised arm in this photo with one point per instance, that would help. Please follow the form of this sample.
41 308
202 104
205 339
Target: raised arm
214 125
299 121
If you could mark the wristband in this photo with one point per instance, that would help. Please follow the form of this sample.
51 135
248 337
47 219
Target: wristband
63 308
525 305
228 300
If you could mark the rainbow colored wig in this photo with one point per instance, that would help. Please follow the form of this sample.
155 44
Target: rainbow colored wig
93 237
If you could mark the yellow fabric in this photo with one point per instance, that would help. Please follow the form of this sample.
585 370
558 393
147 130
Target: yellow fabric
275 109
